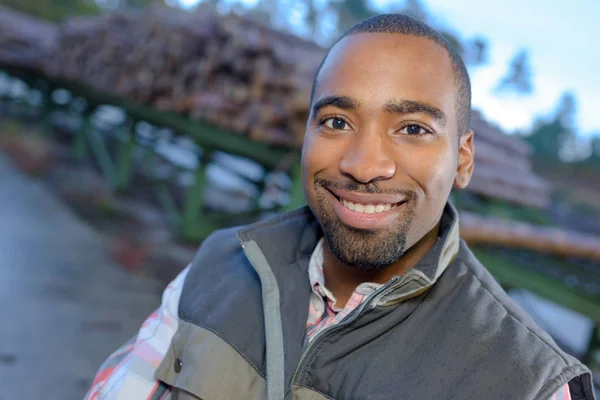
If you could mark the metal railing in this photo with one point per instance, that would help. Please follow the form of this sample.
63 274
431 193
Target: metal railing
141 139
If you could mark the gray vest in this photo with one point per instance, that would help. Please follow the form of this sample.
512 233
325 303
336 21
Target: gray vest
444 330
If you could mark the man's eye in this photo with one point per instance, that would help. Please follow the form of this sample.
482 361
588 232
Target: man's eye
336 123
414 129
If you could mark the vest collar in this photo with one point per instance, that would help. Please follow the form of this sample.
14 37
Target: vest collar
427 271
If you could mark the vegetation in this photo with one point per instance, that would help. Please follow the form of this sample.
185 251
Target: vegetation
53 10
561 155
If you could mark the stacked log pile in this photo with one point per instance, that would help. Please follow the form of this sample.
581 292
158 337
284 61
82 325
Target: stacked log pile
476 229
503 168
244 77
25 41
228 71
247 78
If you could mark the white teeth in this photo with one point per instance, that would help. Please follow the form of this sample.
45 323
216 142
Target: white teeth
366 208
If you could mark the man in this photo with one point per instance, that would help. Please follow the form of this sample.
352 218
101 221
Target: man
368 293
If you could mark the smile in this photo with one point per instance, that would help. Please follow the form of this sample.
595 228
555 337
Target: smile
366 208
366 211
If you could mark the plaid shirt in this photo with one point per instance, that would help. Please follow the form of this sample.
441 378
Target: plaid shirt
128 373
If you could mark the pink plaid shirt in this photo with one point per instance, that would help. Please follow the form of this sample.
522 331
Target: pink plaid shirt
322 310
128 373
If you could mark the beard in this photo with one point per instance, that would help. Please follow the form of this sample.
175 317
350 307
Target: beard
365 249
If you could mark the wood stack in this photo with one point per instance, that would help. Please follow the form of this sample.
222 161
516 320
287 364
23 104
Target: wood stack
476 229
503 169
228 71
25 41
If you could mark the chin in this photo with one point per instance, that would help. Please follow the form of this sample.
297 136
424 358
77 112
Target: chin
370 250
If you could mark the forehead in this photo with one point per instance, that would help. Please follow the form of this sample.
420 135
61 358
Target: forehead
377 67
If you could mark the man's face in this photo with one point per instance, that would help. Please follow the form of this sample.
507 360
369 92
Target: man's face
381 150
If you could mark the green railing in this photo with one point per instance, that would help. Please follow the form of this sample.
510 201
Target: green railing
116 165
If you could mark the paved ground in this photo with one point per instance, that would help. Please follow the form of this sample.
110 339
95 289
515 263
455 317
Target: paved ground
65 305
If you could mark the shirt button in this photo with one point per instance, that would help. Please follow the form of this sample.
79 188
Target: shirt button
177 365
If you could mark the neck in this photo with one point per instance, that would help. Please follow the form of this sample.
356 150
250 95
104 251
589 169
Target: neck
342 279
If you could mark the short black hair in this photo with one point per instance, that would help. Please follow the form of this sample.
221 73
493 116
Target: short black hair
405 25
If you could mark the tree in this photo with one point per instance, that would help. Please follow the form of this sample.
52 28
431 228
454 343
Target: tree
594 159
566 110
476 52
548 138
519 76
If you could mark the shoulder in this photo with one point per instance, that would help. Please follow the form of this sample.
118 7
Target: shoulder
483 290
224 247
509 332
219 242
216 252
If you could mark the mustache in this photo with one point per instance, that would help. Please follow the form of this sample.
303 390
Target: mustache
352 185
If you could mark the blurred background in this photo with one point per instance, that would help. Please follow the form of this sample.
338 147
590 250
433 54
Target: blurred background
131 129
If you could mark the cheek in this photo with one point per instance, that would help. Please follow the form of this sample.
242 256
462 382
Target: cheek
319 154
433 167
314 160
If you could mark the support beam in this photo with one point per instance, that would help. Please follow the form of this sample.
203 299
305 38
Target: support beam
515 275
79 148
124 166
97 144
194 200
297 198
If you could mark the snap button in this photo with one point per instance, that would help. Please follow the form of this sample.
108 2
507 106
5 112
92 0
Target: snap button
177 365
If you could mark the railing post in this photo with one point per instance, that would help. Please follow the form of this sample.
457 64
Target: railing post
47 106
194 200
79 146
125 156
297 193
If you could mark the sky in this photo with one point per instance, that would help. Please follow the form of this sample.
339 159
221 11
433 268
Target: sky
563 41
559 37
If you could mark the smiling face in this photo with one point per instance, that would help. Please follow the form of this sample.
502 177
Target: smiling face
381 150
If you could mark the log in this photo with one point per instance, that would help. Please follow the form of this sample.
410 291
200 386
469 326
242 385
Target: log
24 40
232 72
475 229
228 70
503 169
493 134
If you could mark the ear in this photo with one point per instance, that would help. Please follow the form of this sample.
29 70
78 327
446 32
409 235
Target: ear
466 160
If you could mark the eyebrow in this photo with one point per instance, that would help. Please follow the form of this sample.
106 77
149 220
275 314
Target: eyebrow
343 102
415 107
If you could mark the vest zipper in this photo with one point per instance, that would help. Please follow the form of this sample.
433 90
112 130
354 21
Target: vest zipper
340 325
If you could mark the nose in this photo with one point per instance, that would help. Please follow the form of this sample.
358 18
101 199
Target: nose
367 159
